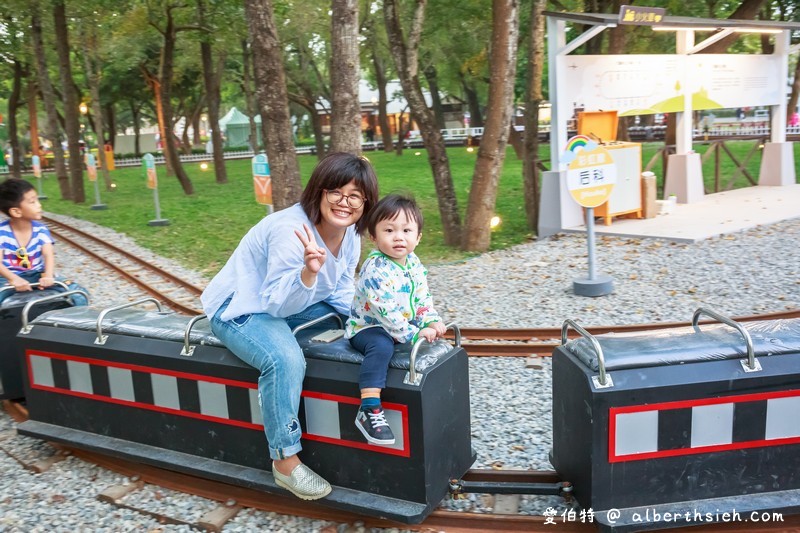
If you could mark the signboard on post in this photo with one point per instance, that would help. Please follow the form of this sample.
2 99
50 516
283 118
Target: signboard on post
591 173
37 166
149 165
37 172
91 169
262 182
591 176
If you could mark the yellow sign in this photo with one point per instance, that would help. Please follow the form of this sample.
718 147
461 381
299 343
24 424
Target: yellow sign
263 189
152 180
645 16
591 174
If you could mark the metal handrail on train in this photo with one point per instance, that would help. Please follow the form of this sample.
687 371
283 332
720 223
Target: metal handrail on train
411 377
604 379
189 350
26 328
101 339
36 284
752 364
316 321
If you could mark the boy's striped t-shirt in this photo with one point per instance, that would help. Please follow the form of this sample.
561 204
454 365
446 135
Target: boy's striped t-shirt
20 258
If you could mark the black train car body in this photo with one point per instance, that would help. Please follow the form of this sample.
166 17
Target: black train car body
137 397
684 432
11 382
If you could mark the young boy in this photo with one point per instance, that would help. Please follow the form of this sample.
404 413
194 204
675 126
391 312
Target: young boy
25 243
392 304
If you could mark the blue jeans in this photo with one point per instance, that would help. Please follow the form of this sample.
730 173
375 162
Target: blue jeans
33 277
266 343
378 348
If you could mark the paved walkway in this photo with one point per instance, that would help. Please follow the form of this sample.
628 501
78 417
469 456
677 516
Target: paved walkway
717 214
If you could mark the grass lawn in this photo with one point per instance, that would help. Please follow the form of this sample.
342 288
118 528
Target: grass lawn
206 227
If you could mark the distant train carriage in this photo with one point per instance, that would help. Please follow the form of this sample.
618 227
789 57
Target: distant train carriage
16 309
695 421
161 389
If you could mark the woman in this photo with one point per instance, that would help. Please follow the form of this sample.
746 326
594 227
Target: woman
294 266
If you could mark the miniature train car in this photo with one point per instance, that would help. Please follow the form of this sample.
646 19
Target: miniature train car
16 310
685 424
160 389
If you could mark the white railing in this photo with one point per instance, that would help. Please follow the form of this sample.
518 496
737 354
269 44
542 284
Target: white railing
721 130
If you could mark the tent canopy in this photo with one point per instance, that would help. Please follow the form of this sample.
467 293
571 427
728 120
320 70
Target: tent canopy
236 126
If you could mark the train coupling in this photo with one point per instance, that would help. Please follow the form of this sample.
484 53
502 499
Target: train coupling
459 488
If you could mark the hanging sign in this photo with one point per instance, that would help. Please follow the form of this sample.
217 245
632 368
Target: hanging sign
591 173
262 182
149 163
641 15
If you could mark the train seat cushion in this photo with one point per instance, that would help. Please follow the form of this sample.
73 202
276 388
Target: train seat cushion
688 345
341 350
170 326
19 299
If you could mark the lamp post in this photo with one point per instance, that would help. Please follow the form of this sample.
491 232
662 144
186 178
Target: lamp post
91 163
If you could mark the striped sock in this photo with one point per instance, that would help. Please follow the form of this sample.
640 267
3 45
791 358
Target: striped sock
370 403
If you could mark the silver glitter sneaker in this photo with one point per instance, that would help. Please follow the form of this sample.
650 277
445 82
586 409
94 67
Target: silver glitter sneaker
303 483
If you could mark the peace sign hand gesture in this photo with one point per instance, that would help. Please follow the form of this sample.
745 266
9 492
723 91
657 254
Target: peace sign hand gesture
313 255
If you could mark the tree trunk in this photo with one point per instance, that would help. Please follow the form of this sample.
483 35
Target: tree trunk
136 136
273 101
70 97
110 120
403 126
155 85
793 97
249 98
33 119
617 42
90 62
212 82
48 96
405 58
436 101
492 152
319 136
166 69
345 74
14 103
473 103
383 101
196 139
534 98
747 10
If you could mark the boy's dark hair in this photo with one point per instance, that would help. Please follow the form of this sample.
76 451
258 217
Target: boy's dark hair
337 170
12 191
389 208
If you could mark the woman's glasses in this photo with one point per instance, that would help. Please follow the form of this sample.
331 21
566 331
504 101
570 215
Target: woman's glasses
353 200
22 255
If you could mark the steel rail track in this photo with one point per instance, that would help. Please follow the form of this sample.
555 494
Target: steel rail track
439 520
99 250
529 341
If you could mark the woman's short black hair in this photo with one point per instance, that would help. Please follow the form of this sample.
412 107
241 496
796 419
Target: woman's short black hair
389 208
12 192
337 170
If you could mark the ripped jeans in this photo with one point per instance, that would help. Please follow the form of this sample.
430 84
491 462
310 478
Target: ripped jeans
266 343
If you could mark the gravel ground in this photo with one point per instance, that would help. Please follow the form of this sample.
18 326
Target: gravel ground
530 285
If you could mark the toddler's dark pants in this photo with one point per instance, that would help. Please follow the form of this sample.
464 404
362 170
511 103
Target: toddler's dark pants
377 347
